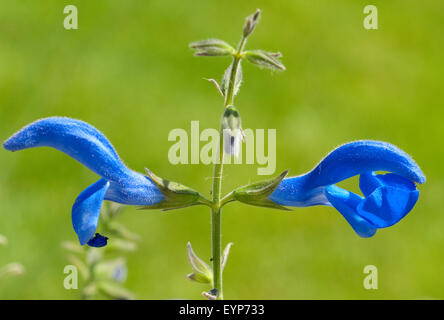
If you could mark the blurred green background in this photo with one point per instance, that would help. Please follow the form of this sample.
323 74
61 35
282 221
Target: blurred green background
128 71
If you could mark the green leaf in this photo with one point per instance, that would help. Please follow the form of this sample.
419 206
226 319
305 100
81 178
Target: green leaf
212 47
225 255
264 59
201 271
237 80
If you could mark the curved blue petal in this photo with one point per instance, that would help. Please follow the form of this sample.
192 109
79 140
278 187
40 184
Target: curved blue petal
361 156
342 163
388 198
346 203
77 139
90 147
86 210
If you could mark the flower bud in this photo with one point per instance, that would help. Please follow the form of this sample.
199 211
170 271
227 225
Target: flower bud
251 22
233 134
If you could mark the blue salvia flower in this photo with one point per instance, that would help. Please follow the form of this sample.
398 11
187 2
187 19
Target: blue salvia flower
90 147
386 199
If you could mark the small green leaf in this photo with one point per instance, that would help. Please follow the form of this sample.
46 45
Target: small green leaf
196 277
264 59
225 255
212 47
237 80
201 271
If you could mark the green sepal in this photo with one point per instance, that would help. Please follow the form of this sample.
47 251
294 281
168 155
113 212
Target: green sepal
176 195
256 194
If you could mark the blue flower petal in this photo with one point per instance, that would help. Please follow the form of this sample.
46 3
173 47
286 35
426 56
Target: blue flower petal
139 191
390 200
90 147
295 192
342 163
77 139
361 156
346 203
86 210
98 241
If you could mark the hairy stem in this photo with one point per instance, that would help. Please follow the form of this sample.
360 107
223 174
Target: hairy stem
216 212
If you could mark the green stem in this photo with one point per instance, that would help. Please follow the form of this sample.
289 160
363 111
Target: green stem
216 212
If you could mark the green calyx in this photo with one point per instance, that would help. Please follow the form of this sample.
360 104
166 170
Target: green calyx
256 194
176 195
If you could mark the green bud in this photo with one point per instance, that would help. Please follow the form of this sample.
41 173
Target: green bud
212 47
257 194
201 271
233 134
176 195
269 60
251 23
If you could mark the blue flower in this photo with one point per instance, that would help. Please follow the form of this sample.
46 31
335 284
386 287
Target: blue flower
90 147
386 199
